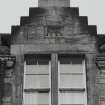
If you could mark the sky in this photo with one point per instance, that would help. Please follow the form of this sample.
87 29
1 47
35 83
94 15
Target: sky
12 10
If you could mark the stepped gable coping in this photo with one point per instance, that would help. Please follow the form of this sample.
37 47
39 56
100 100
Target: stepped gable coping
92 29
83 20
41 11
24 20
101 42
15 29
34 11
5 39
100 61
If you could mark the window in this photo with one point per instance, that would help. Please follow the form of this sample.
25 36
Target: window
36 80
101 100
71 98
72 80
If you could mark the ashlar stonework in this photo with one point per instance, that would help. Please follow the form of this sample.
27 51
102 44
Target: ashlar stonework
52 28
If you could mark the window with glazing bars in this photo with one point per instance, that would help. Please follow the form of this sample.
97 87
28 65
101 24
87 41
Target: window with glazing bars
72 80
36 80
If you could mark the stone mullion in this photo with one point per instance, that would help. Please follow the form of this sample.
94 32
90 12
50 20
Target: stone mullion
54 79
91 79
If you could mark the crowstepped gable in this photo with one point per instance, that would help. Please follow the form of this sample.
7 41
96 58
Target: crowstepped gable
51 28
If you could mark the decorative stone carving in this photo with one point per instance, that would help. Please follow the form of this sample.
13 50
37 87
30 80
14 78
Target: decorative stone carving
54 31
102 47
4 50
100 62
34 32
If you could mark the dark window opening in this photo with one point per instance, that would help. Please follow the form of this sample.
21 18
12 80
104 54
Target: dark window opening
40 59
70 59
5 41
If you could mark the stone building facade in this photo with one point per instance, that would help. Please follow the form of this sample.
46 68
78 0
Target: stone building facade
53 34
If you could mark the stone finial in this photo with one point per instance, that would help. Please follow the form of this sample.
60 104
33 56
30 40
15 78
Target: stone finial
53 3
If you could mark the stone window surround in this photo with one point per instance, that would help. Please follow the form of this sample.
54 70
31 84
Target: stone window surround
54 65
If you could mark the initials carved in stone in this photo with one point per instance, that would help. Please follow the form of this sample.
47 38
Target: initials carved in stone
54 31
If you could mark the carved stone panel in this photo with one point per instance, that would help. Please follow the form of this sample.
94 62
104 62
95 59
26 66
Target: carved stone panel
34 32
100 79
54 31
100 61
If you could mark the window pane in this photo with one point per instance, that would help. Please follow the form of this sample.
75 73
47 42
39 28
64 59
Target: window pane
37 69
76 60
69 68
36 98
41 59
31 60
6 103
71 81
71 71
70 59
71 98
36 81
102 102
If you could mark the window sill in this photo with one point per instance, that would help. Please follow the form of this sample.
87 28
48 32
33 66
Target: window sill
37 90
72 89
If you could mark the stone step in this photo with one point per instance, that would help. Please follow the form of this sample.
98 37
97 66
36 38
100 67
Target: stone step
5 39
15 29
100 39
36 11
74 11
83 20
92 29
24 20
40 11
